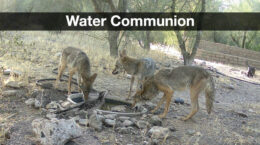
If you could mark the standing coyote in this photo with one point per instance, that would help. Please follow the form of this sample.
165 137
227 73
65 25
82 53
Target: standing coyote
140 68
77 61
169 80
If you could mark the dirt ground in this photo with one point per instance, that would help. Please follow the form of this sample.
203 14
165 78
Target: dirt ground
235 118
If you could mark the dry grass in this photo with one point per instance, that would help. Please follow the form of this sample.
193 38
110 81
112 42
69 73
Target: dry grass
30 52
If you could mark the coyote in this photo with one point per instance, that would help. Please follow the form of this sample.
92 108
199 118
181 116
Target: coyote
177 79
77 61
140 68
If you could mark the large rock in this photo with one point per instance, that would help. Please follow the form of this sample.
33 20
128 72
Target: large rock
55 132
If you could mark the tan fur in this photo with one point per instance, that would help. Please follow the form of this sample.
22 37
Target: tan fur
169 80
138 68
76 61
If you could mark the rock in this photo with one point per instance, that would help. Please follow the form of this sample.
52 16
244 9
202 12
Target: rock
13 84
37 103
173 129
83 122
155 121
9 93
125 130
51 115
144 116
155 142
52 105
82 114
110 116
30 102
65 104
55 132
76 118
251 110
150 105
35 93
42 99
127 123
123 118
158 132
110 122
7 72
119 108
142 124
133 120
228 86
190 132
178 101
95 122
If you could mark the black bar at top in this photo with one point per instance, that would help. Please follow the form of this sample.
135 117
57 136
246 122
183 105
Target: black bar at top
57 21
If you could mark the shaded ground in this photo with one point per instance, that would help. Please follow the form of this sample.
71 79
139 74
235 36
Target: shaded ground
235 119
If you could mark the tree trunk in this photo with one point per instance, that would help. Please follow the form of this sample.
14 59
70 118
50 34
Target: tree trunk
244 40
187 59
112 39
215 37
147 40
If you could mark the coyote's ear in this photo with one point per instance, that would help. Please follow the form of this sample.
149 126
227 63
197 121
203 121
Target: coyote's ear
123 53
93 77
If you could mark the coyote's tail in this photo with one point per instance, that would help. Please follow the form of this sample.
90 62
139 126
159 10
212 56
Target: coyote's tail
210 94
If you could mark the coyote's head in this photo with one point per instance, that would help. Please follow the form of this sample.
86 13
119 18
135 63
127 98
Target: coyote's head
86 85
147 91
118 66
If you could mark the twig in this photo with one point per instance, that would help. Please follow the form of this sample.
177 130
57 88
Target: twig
121 114
10 116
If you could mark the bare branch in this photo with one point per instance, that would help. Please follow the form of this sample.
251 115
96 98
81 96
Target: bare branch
112 6
96 6
235 40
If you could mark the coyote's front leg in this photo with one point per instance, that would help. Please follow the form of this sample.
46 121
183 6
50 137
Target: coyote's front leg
159 104
168 92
